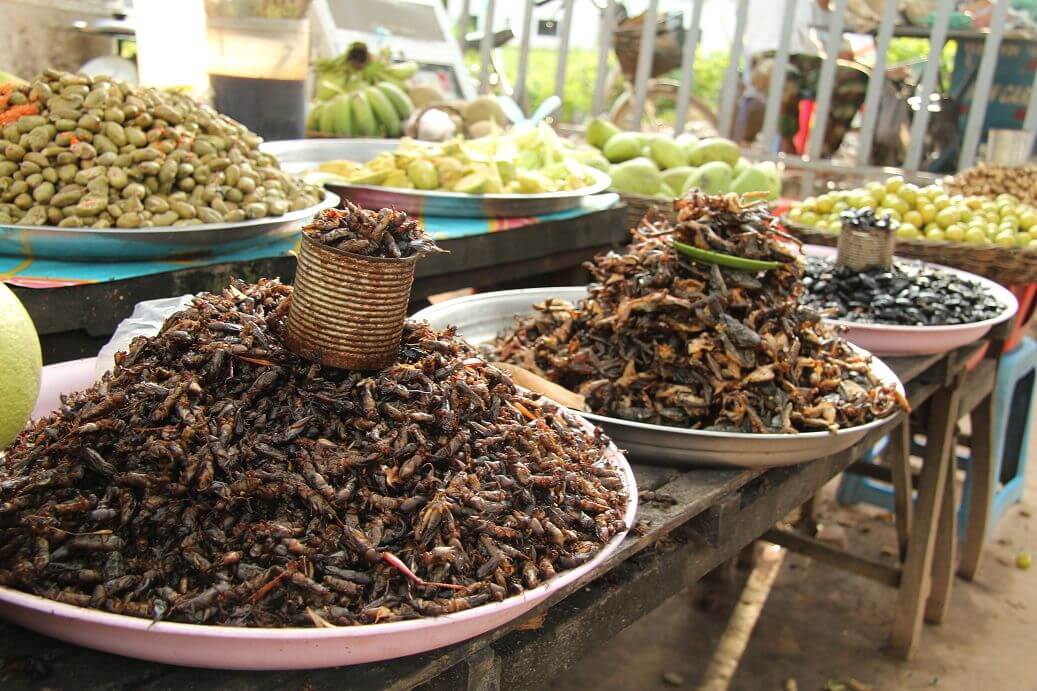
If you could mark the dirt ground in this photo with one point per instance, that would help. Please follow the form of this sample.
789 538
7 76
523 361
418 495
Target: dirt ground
824 627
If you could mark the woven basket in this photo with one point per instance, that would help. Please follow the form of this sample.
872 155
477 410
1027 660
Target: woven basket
347 310
1006 266
669 44
637 206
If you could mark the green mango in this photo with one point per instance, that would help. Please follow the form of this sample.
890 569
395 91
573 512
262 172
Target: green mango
667 153
712 178
687 141
622 147
770 171
691 182
666 191
739 167
636 177
676 177
714 149
645 160
600 130
751 180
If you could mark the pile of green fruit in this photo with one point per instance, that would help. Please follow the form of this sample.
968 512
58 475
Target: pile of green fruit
928 213
361 95
529 162
658 165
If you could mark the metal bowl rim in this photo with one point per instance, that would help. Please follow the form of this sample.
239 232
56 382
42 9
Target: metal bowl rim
882 370
601 183
330 200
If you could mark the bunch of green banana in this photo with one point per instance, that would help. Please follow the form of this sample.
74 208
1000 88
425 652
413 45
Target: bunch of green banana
361 95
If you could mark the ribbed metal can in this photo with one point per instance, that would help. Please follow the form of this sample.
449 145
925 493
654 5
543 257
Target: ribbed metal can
347 310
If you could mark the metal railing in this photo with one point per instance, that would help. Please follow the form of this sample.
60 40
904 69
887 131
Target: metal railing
811 161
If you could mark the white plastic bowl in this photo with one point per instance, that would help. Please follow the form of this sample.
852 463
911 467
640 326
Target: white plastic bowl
900 341
225 647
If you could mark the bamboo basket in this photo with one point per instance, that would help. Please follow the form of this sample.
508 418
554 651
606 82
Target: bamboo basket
1008 266
638 205
669 44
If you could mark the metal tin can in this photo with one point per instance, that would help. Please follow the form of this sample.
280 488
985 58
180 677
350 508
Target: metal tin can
348 310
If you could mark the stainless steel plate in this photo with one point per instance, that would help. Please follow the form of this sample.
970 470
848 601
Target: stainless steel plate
481 317
116 244
297 156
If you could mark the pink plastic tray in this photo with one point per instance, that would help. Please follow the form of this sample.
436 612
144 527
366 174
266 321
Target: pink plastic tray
893 340
270 649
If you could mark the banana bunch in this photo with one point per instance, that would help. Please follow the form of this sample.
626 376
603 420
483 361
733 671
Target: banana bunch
360 94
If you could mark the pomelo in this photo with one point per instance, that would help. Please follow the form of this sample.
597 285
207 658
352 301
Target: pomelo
20 364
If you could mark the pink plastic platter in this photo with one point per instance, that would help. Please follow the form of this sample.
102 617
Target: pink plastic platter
224 647
899 341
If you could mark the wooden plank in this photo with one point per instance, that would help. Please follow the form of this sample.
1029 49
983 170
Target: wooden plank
826 554
903 485
978 384
914 584
945 548
982 485
911 368
652 477
920 392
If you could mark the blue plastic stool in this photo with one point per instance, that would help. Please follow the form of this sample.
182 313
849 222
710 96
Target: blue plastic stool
1013 407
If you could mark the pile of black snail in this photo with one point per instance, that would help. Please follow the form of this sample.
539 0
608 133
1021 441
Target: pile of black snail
215 477
906 294
79 151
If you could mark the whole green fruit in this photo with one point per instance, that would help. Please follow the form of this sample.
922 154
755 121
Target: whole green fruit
622 147
676 177
712 178
600 130
667 153
714 149
750 180
636 177
687 141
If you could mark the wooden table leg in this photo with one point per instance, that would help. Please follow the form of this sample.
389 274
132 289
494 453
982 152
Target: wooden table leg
945 549
915 578
982 484
903 500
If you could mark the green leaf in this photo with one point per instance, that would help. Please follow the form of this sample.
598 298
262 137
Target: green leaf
729 260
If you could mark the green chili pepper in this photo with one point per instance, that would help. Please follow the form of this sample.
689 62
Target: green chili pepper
710 257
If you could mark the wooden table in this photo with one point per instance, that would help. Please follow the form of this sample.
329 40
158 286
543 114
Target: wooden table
946 388
75 321
715 514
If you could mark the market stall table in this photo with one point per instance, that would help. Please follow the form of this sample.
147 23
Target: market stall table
698 519
75 315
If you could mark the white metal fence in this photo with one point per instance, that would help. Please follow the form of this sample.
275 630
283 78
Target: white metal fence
727 108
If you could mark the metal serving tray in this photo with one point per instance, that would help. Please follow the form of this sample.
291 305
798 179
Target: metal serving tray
479 318
300 155
117 244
